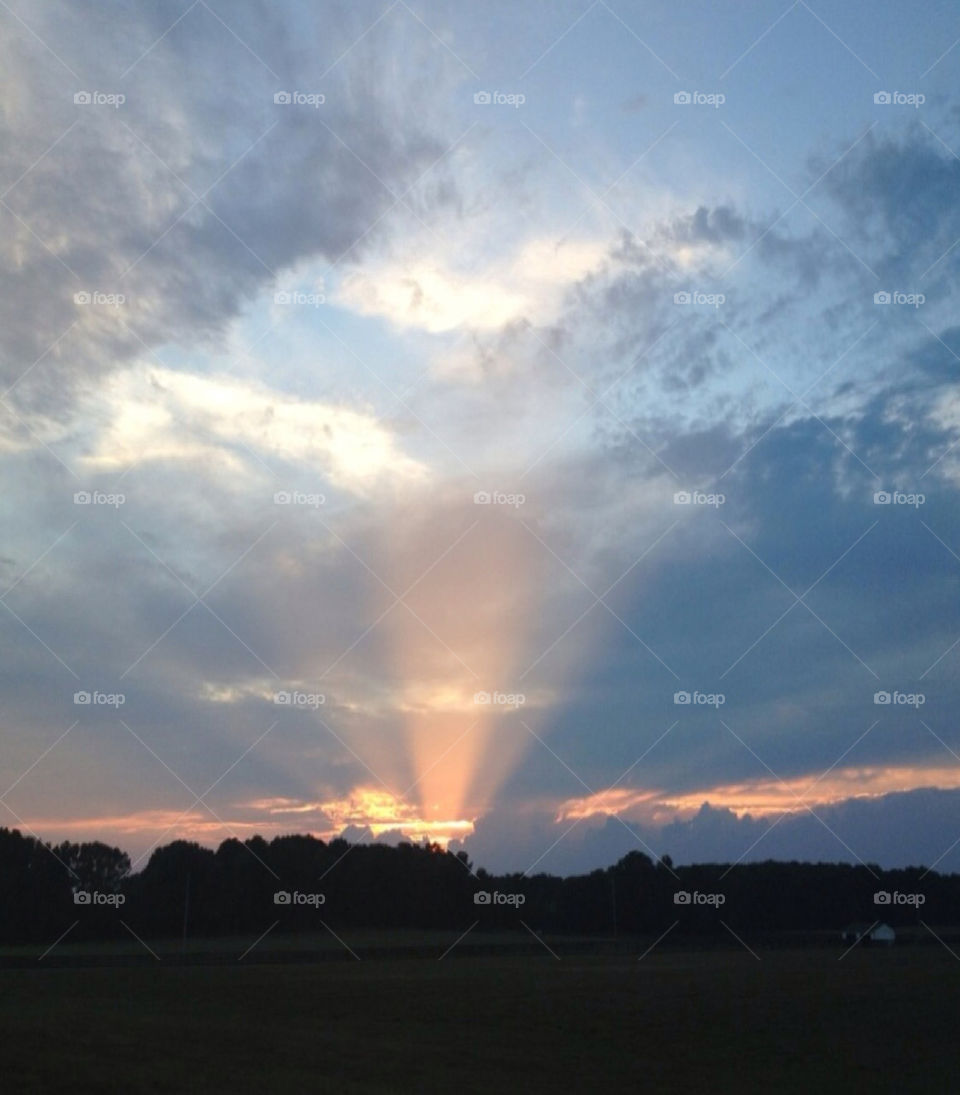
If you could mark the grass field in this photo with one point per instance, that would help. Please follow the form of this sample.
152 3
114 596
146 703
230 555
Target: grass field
716 1021
321 942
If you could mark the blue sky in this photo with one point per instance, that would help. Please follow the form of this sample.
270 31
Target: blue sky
288 288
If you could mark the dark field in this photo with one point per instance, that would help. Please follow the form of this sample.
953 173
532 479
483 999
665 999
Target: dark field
676 1021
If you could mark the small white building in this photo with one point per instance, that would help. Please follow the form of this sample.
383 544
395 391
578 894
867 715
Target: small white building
869 933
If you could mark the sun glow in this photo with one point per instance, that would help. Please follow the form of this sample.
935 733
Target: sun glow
370 808
461 633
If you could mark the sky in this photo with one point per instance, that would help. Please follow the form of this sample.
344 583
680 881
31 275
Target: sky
531 427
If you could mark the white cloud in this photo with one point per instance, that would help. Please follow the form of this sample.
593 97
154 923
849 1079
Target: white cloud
430 294
158 414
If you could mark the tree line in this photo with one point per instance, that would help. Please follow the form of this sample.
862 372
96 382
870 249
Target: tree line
298 881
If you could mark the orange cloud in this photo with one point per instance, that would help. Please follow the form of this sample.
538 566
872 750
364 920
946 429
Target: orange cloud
760 797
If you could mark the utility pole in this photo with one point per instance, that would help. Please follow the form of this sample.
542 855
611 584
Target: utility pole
613 898
186 913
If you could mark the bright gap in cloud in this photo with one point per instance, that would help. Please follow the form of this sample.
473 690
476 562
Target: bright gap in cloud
429 293
156 414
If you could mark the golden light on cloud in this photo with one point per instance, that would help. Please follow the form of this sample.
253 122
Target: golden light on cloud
147 826
365 807
617 801
382 812
762 797
373 808
379 811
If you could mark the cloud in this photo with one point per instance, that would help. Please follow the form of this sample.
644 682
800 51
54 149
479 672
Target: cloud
897 830
422 293
898 194
153 414
198 190
512 348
